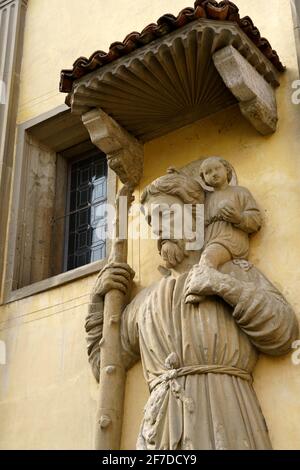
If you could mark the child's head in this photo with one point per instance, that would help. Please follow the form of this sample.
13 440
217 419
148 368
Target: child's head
216 172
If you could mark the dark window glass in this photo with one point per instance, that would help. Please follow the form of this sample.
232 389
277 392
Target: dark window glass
87 211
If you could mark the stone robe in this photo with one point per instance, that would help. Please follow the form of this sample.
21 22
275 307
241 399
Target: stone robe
198 360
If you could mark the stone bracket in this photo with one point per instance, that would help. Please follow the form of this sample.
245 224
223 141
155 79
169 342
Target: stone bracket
125 154
256 96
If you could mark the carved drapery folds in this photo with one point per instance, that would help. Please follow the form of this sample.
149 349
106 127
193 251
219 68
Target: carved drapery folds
188 68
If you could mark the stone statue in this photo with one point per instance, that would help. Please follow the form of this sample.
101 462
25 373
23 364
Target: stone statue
231 214
198 359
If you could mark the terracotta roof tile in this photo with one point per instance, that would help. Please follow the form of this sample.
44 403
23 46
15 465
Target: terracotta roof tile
222 11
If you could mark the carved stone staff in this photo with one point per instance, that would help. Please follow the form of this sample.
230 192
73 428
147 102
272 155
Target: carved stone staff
125 157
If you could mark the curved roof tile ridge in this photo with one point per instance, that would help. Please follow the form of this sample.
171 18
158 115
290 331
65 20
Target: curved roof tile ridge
209 9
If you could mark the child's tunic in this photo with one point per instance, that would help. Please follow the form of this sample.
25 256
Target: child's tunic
233 237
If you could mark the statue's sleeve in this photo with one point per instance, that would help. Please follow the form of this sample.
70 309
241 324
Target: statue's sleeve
251 216
94 330
265 316
130 332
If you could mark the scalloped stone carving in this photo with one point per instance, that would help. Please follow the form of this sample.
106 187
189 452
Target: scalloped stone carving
171 82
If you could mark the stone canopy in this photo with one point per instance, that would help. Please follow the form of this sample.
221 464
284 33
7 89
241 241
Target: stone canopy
181 70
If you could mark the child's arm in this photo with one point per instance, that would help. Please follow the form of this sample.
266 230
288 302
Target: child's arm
260 311
251 219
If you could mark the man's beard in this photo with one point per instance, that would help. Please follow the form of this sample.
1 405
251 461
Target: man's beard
172 252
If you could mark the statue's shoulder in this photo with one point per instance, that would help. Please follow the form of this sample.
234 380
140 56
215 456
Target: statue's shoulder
240 190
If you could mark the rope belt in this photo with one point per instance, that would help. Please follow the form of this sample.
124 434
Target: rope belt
167 382
173 374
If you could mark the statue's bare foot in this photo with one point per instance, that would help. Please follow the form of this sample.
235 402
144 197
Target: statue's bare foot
199 283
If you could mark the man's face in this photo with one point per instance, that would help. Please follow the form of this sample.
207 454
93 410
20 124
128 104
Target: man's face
167 215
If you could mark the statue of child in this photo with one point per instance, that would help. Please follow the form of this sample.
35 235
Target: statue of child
231 215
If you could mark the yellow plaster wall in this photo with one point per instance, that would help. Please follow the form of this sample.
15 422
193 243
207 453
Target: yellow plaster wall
47 393
59 31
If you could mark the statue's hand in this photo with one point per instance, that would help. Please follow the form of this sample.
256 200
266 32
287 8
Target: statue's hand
231 214
200 282
114 276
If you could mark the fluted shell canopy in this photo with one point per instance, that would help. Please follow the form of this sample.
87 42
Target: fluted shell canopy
169 83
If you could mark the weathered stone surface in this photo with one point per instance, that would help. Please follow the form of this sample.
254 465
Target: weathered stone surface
197 360
263 118
255 95
231 215
124 152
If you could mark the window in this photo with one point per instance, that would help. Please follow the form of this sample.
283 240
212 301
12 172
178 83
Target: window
86 222
61 185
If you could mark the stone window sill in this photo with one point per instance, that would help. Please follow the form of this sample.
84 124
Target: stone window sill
55 281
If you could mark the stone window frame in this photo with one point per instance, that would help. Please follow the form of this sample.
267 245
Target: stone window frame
295 5
12 18
10 293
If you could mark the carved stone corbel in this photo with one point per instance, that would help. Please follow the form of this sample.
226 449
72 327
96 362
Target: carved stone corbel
256 96
124 152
